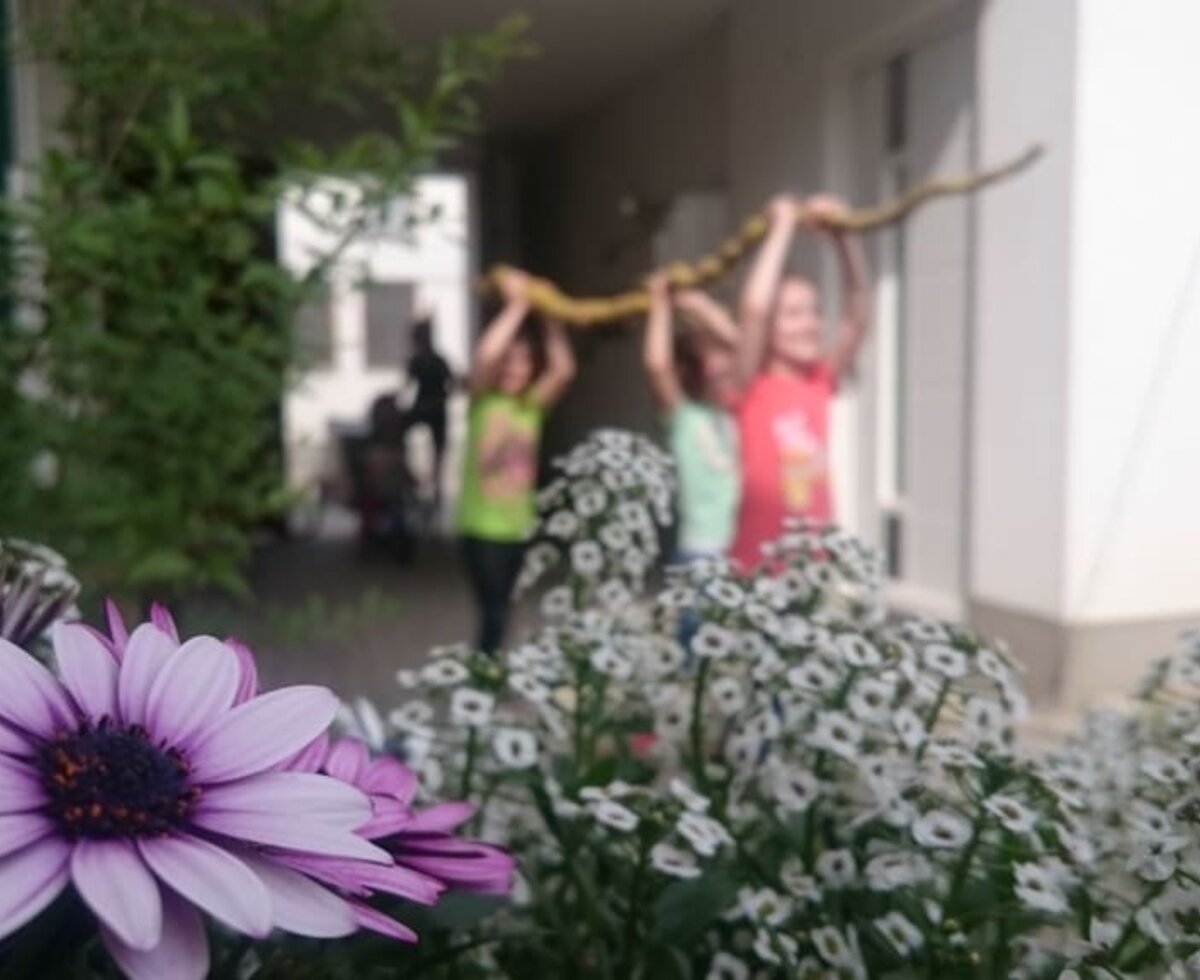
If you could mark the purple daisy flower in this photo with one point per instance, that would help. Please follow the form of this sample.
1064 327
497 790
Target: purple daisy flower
420 841
151 777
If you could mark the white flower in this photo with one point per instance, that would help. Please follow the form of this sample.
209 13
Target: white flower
991 666
529 687
798 883
515 748
407 679
614 594
429 774
909 727
764 906
562 524
871 700
837 868
833 948
673 861
838 734
688 796
901 933
704 834
726 593
941 829
591 501
776 948
795 788
985 721
926 631
945 660
1077 845
1164 768
857 651
557 602
615 537
952 755
1013 815
813 675
1040 888
724 966
761 617
661 656
895 869
586 558
607 661
713 642
673 719
729 695
443 673
471 707
413 715
614 815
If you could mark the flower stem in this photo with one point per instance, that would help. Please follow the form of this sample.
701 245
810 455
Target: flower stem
931 720
469 766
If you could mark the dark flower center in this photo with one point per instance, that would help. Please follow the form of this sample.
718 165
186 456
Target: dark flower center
110 780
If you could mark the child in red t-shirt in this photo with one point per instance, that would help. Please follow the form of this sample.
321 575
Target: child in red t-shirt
789 376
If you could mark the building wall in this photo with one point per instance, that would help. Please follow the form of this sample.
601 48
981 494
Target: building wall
1133 459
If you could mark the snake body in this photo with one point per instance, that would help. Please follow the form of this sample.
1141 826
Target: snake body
585 311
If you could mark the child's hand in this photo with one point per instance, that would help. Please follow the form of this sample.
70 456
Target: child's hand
514 285
823 212
658 285
690 300
781 210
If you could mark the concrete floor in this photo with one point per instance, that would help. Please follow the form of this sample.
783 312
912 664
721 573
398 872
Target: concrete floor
324 613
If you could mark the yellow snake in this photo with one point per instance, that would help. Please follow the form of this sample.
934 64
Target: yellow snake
583 311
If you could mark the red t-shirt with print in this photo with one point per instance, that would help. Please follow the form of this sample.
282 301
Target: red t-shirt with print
783 426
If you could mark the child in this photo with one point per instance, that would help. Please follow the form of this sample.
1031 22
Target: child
789 377
693 382
510 393
433 381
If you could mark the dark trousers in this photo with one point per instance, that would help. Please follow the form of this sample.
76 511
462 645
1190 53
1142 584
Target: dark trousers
492 567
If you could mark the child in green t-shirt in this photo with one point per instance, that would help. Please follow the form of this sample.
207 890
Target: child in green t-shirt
518 373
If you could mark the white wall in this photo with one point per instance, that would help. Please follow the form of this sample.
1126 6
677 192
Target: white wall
437 257
1026 92
1133 479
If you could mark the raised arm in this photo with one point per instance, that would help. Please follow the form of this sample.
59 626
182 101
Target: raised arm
852 273
762 285
560 365
500 333
708 315
658 348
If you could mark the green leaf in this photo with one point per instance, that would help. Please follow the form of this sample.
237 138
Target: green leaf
686 908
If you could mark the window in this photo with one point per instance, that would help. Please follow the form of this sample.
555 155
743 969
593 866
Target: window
314 332
893 330
389 310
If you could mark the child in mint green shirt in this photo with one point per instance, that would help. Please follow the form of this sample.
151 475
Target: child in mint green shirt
516 376
693 382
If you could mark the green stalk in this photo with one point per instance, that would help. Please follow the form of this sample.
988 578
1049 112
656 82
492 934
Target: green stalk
697 727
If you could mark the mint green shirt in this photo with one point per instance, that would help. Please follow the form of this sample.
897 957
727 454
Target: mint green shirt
703 440
500 470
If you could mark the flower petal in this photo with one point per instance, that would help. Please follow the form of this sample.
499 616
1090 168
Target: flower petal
119 889
248 686
194 690
314 796
161 617
311 757
30 879
20 788
376 921
18 830
347 760
87 669
116 629
265 730
147 652
291 831
392 777
440 819
302 906
30 697
13 742
212 878
181 953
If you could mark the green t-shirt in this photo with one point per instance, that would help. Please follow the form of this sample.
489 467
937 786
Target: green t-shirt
703 440
500 472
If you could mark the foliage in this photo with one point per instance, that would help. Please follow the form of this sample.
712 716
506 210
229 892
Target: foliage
149 339
770 776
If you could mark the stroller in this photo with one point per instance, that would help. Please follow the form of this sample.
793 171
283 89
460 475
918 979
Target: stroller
383 490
